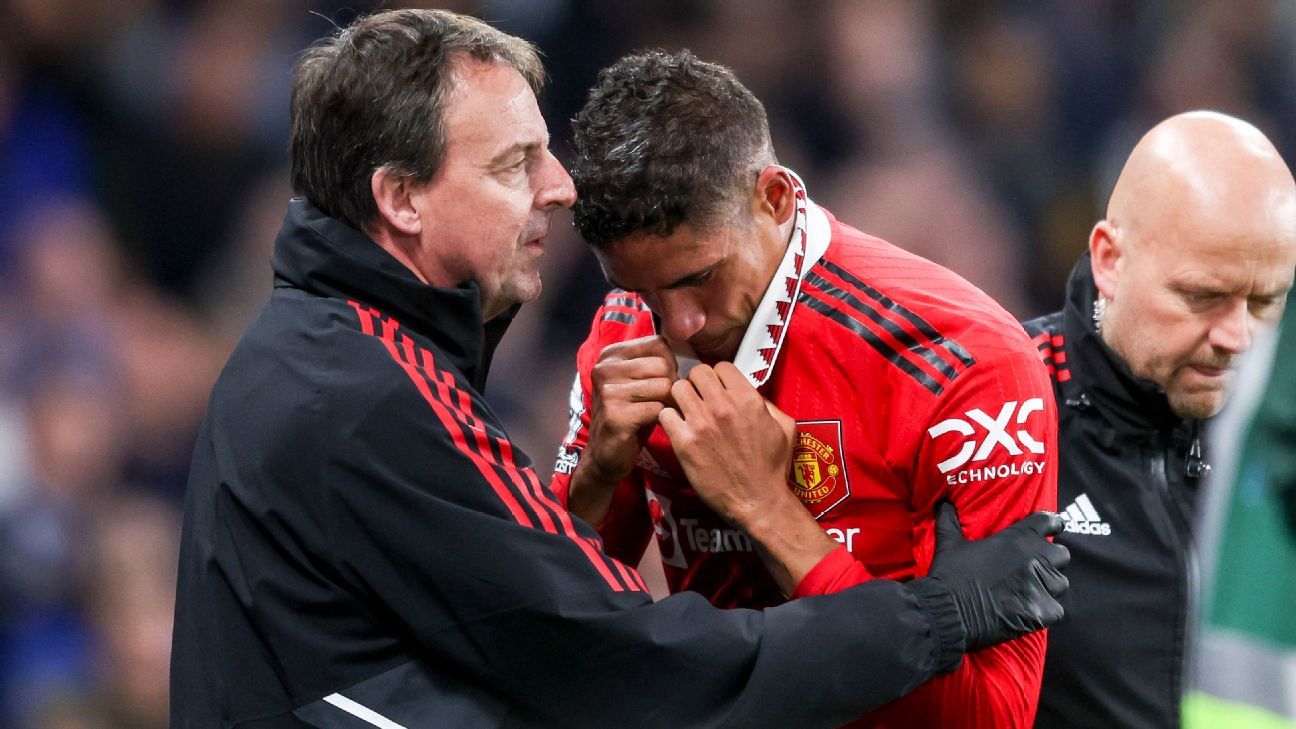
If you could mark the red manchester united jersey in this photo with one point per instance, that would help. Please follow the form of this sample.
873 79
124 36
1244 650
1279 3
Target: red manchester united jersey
909 386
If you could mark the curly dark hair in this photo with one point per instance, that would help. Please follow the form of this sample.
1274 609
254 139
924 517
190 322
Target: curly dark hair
373 95
665 139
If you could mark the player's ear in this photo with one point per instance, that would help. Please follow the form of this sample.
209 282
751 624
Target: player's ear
774 194
392 192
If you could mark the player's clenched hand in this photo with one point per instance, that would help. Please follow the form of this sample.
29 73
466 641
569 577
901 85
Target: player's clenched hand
734 451
631 383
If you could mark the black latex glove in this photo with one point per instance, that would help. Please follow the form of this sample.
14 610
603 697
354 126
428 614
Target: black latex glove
1004 585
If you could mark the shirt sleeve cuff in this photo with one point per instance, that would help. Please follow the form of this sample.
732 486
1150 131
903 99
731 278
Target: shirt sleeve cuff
936 602
835 572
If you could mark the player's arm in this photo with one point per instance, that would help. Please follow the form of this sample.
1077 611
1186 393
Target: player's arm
990 448
521 602
628 386
587 475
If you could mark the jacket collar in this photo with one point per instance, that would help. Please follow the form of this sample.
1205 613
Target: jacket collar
324 256
1134 404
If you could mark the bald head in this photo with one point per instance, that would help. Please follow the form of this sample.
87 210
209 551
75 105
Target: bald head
1197 250
1204 168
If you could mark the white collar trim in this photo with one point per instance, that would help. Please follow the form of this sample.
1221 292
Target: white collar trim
760 346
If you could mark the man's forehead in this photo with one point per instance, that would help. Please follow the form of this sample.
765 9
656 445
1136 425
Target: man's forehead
489 103
1193 230
1224 263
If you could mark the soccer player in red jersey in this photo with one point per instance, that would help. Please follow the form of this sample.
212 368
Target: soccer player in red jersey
908 385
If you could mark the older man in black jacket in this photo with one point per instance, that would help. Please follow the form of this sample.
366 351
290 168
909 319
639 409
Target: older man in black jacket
363 545
1197 250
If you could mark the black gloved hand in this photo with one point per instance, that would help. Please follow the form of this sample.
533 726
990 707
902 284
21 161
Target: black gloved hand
1004 585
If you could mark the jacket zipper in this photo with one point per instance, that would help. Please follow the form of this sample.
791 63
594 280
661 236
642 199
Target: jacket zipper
1195 467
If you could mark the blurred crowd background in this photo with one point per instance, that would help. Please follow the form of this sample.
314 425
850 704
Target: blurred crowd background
143 177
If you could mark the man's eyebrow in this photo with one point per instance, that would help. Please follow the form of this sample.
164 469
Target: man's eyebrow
1197 282
506 154
1276 292
689 278
684 280
678 283
511 151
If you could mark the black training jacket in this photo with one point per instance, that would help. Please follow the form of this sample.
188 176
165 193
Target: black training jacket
1128 481
364 547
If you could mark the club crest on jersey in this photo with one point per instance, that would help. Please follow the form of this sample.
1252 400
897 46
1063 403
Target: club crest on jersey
818 474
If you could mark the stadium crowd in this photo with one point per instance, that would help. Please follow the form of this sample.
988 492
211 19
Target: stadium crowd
143 177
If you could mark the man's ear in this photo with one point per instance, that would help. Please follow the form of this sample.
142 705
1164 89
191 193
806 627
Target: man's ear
774 194
1105 257
391 191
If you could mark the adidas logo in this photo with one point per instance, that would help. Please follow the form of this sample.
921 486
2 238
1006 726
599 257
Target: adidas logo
1082 518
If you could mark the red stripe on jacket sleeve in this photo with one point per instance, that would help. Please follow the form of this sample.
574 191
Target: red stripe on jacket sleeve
527 481
452 419
465 416
366 317
447 421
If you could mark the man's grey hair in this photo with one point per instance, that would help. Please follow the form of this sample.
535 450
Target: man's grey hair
373 95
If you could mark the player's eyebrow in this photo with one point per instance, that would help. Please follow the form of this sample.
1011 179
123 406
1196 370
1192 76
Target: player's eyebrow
685 280
690 278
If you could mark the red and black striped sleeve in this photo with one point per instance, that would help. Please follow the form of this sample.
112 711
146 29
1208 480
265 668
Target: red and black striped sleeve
434 520
627 528
479 446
